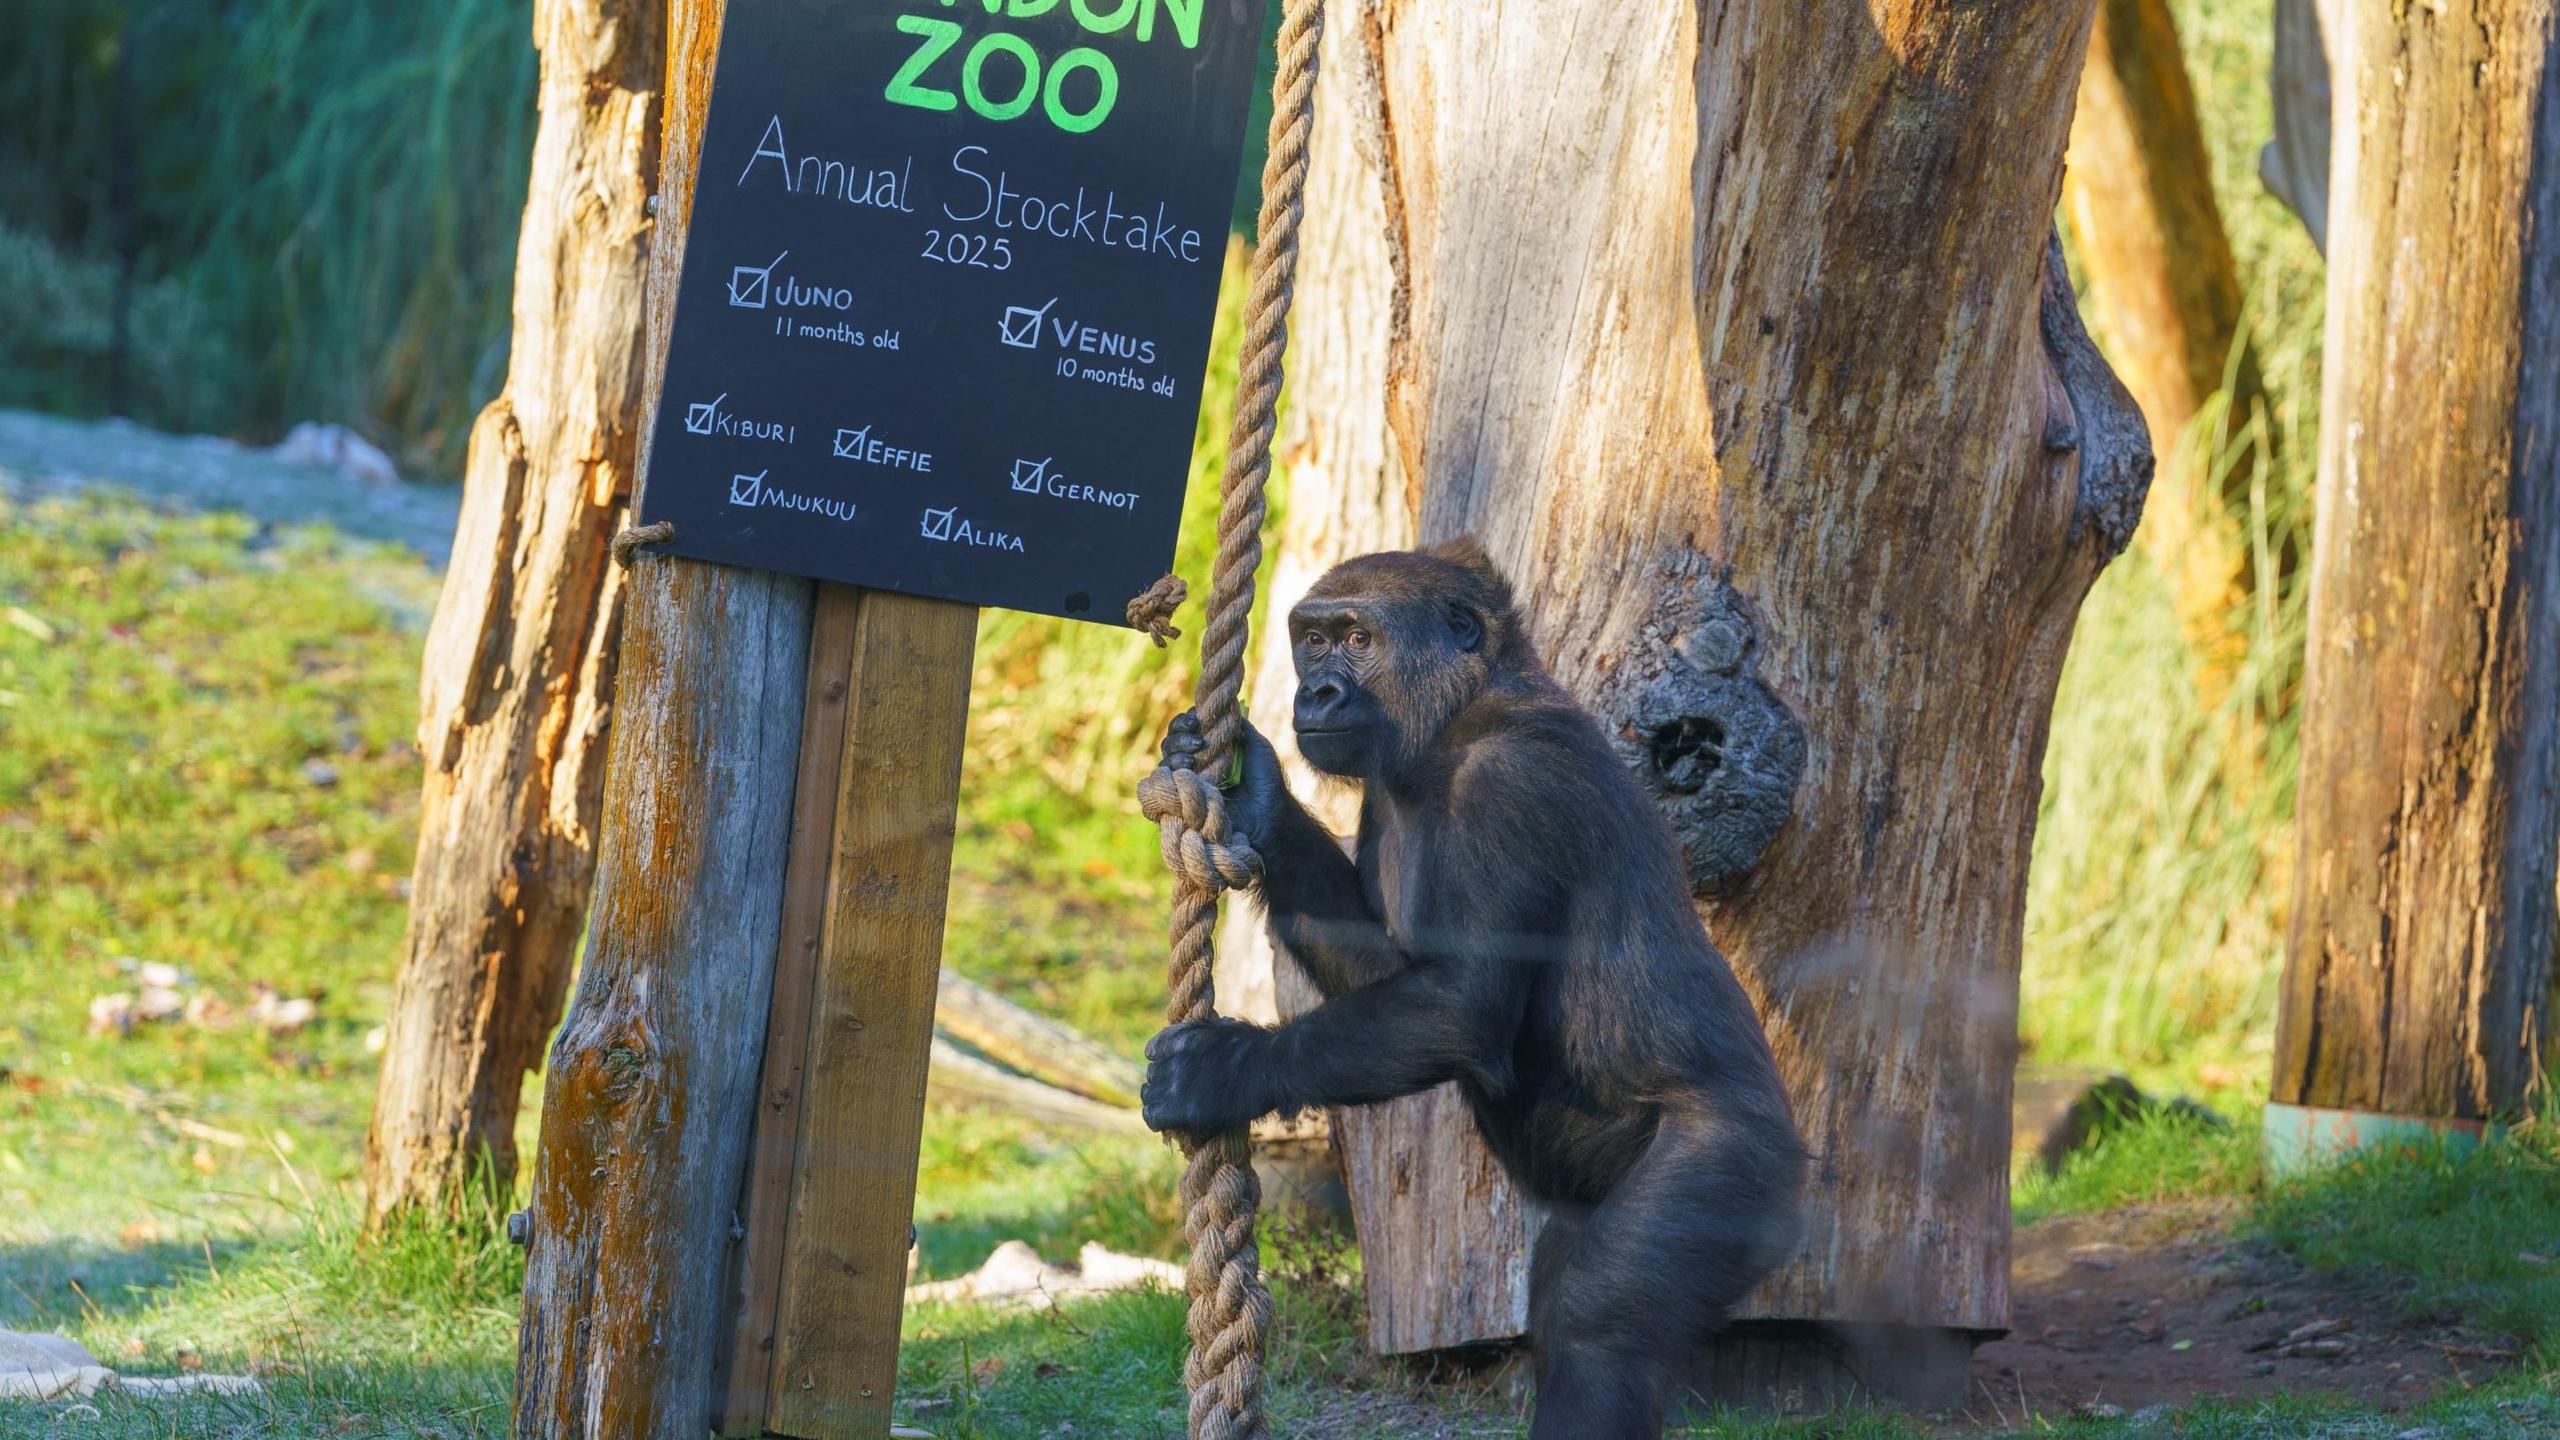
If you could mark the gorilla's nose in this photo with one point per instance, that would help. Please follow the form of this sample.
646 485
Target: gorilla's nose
1319 702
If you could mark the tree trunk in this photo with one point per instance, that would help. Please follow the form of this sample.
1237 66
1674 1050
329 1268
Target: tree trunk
648 1113
2419 980
2138 195
519 670
1736 331
2295 164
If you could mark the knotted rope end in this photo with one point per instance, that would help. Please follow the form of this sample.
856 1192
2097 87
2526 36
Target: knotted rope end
1152 612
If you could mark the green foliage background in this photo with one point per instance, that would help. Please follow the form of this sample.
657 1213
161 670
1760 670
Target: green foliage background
318 201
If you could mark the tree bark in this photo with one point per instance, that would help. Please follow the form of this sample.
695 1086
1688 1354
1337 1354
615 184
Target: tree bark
1735 330
2419 979
648 1113
2138 195
519 673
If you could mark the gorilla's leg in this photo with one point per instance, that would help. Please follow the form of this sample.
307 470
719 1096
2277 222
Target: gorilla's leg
1622 1306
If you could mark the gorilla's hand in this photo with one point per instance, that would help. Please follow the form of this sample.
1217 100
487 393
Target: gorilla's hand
1254 801
1206 1077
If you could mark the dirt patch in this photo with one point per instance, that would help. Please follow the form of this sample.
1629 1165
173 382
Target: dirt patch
2160 1305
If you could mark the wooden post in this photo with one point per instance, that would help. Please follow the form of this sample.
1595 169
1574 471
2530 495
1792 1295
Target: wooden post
2419 981
750 701
831 1190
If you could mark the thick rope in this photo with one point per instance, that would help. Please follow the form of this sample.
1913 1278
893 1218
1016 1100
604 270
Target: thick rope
1230 1310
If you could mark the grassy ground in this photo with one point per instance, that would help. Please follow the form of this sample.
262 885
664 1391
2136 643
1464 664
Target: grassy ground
204 762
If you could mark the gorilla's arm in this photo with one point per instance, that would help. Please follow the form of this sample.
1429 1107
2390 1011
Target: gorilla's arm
1319 909
1420 1027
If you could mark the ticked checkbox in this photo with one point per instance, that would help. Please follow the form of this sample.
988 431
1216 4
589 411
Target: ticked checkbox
747 489
750 287
937 523
1020 327
701 419
1030 475
849 443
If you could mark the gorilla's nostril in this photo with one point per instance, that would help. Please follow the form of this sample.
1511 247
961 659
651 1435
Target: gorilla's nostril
1687 752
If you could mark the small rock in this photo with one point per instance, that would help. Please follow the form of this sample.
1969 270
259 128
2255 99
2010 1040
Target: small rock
160 1003
335 447
320 773
112 1015
2531 1257
2263 1367
159 975
2103 1255
2314 1330
278 1015
2315 1350
2099 1410
2421 1433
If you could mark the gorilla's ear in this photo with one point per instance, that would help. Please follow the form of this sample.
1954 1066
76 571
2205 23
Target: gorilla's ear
1465 629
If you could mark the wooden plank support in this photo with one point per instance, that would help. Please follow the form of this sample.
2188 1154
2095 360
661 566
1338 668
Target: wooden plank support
831 1182
746 1368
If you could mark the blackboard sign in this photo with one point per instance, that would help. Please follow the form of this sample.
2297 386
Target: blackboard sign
946 303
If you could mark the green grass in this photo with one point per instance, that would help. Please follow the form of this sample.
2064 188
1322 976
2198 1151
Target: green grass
324 202
2158 1154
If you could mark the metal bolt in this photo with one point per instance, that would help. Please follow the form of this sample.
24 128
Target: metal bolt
520 1229
653 207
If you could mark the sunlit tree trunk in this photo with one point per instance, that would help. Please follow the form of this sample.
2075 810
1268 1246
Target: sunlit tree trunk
519 672
2138 195
1735 329
2419 982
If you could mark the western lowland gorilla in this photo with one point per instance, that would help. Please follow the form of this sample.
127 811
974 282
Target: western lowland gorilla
1515 917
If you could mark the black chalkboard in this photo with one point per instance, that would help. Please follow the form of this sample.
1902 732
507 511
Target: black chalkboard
946 302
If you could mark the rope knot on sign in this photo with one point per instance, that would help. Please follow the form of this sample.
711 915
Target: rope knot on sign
628 543
1230 1309
1153 611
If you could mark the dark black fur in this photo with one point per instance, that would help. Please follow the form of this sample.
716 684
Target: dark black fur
1516 920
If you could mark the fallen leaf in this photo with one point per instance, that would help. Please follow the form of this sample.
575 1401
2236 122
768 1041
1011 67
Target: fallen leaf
2183 1345
138 1234
204 1161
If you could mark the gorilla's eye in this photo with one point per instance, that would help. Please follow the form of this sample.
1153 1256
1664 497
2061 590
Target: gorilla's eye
1314 640
1356 640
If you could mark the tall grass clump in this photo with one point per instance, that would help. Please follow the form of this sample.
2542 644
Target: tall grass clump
2157 903
335 185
